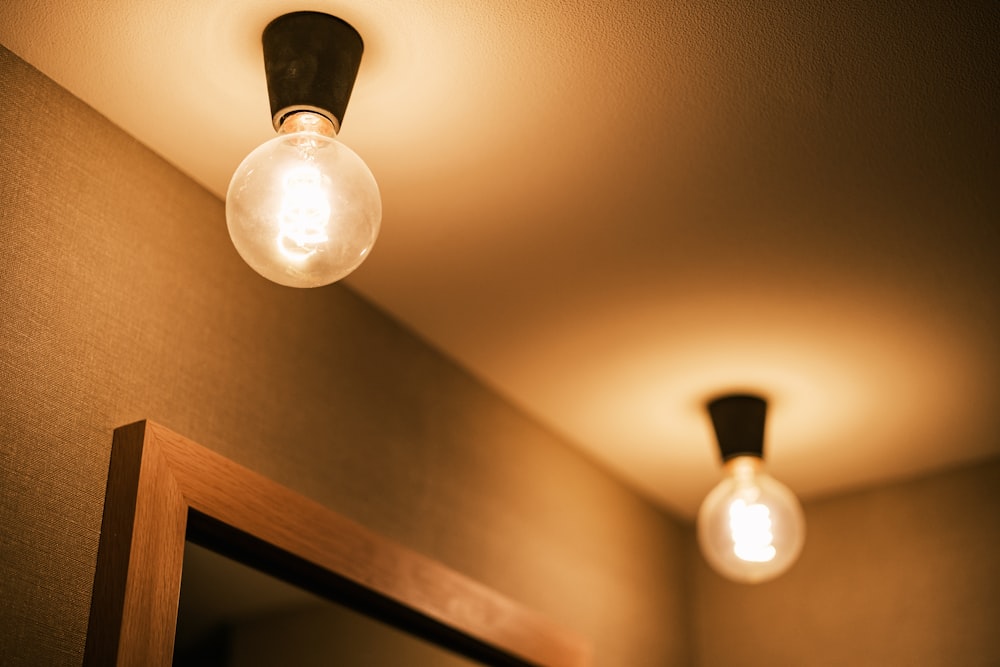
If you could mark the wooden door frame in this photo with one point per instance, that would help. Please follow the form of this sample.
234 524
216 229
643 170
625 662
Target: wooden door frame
163 489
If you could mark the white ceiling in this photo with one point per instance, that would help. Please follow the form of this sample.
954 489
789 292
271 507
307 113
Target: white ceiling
610 212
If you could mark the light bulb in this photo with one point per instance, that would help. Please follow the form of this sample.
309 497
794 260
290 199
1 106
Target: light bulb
750 526
303 209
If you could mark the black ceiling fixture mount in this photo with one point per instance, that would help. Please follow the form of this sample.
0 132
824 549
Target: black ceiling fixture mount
311 62
738 420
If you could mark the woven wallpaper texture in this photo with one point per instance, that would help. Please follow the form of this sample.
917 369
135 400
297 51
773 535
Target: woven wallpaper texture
121 298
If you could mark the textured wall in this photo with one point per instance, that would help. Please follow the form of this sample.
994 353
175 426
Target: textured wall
901 575
121 298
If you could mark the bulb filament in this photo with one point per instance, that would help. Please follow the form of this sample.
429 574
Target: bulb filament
750 526
304 214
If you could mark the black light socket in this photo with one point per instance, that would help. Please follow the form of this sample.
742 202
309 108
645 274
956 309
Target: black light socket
739 425
311 61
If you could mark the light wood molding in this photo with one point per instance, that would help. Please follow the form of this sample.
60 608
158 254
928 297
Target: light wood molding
163 488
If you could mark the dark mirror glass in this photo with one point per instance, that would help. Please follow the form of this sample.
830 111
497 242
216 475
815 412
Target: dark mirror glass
231 615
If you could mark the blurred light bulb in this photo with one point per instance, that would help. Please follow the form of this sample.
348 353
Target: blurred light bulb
303 209
750 526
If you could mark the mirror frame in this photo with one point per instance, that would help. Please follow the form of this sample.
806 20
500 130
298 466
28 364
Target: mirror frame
164 489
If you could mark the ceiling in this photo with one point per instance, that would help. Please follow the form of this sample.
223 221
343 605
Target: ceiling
610 212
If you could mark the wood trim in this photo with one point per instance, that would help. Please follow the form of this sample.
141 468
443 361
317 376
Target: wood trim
159 480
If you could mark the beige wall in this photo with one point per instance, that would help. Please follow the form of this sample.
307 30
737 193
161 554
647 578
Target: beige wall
907 574
122 299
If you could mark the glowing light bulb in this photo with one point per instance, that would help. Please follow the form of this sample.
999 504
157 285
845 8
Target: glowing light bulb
303 209
305 214
750 526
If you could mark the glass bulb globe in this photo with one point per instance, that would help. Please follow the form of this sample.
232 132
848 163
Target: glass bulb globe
750 526
303 209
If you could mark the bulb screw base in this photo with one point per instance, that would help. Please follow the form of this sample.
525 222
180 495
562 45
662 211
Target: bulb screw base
311 61
739 425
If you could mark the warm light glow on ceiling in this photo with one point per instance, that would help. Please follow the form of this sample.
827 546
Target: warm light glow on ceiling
611 212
